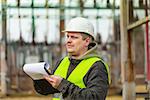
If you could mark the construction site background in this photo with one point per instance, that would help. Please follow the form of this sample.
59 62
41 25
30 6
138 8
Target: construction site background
27 36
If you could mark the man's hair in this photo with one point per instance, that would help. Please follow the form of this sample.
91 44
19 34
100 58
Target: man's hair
84 36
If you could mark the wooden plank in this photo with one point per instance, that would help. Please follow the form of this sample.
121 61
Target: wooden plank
138 23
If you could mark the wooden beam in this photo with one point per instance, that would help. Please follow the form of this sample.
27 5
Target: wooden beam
3 51
138 23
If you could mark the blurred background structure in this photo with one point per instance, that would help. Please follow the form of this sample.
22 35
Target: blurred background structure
30 31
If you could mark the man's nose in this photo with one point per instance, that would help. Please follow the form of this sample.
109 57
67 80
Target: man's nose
69 39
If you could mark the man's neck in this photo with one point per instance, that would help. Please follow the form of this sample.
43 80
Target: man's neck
76 56
79 55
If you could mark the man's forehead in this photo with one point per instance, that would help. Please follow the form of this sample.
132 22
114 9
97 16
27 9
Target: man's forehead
73 33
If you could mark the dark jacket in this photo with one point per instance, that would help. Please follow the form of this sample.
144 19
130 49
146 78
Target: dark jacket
96 80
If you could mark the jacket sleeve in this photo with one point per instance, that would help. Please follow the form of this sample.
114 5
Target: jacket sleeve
43 87
96 81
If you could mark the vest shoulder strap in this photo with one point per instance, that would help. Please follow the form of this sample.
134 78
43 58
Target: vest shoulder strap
63 68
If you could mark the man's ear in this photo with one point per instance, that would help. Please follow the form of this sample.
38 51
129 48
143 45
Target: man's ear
87 41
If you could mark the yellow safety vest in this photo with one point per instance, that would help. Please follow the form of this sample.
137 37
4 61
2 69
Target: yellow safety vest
55 98
79 72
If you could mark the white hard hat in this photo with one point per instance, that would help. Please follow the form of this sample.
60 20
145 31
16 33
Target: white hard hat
80 24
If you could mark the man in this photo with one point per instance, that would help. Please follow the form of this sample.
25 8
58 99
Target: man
82 75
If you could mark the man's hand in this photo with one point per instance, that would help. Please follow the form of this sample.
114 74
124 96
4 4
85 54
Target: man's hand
53 80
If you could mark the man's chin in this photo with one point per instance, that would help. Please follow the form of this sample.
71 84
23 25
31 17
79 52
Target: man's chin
70 53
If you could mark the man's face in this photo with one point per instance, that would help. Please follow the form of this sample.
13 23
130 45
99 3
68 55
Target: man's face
75 45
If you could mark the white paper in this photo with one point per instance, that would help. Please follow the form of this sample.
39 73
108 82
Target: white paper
36 70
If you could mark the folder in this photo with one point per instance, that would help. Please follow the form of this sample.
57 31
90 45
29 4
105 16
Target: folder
37 70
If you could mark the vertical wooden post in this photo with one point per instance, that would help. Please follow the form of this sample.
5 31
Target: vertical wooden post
3 50
127 70
61 24
131 76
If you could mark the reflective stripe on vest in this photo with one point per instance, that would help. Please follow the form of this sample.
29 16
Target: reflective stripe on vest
79 72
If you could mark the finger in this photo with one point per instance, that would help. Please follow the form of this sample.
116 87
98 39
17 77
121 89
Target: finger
49 79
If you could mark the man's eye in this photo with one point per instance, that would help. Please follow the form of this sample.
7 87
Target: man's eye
74 37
